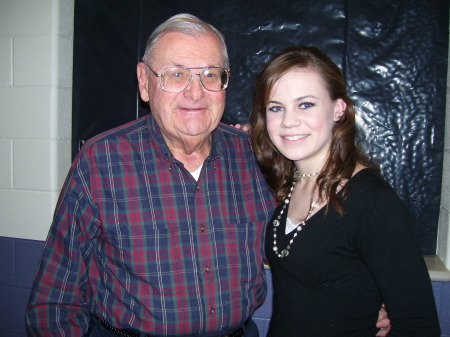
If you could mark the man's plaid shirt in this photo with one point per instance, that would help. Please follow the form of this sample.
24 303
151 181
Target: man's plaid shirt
137 241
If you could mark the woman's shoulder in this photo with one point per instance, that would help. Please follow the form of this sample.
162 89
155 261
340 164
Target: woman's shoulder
371 204
367 187
368 179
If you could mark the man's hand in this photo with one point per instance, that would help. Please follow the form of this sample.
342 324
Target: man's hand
383 323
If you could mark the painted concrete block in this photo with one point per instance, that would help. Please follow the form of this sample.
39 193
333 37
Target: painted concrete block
6 164
13 302
25 17
7 275
33 61
5 61
27 256
32 165
25 112
29 213
444 308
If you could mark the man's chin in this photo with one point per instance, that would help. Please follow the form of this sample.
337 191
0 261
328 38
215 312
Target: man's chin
196 129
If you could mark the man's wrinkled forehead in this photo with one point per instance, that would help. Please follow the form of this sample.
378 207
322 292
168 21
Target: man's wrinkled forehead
181 49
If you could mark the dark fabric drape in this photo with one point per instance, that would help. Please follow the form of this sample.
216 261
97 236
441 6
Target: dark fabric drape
393 54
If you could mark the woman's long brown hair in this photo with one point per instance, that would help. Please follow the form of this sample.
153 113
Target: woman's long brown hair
344 152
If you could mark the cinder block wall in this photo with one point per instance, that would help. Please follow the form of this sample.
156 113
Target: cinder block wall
36 44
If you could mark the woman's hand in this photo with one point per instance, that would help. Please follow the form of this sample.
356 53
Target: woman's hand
243 127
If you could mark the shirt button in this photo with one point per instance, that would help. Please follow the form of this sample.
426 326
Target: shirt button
212 310
207 269
202 228
197 188
170 168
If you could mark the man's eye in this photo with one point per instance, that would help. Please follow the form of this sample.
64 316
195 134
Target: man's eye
210 74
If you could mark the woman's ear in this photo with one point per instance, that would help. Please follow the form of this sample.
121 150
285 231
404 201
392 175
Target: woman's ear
339 109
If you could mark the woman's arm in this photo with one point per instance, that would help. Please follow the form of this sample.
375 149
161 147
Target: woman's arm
389 248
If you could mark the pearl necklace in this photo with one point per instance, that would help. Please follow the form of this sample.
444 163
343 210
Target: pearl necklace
298 175
276 222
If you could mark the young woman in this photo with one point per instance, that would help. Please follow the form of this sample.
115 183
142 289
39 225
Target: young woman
340 244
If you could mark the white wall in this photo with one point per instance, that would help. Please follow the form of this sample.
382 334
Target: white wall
36 44
444 219
35 118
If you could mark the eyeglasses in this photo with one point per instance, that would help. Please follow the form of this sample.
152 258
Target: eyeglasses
177 79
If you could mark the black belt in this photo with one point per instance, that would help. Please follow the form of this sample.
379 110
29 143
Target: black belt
119 332
239 332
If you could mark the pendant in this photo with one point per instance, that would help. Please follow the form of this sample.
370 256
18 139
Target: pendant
284 253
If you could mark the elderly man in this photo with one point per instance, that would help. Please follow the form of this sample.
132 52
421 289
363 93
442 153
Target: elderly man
159 226
158 230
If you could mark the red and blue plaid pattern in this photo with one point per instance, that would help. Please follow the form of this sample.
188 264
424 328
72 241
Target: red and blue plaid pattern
137 241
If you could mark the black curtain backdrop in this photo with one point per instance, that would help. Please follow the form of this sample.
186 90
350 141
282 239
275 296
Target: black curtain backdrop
393 55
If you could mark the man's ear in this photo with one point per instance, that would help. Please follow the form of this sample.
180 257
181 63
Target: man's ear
339 109
142 78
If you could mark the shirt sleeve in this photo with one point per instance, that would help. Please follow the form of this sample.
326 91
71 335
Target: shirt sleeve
389 248
58 305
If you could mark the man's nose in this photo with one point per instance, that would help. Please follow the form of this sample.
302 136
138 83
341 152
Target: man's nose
195 89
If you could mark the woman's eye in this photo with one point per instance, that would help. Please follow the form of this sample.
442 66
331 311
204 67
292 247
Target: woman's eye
275 109
306 105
